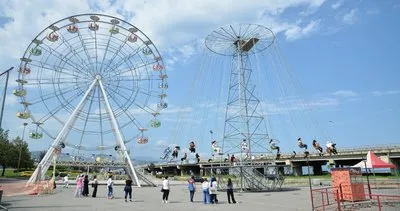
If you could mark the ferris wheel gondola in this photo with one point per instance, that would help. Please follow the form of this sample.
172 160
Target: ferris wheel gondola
142 139
37 133
155 122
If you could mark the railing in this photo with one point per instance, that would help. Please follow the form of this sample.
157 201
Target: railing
382 198
141 173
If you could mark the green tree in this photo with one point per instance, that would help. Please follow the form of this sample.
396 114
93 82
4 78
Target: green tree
42 154
5 151
26 161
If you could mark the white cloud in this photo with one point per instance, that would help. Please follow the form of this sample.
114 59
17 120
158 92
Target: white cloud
372 11
176 27
296 32
337 4
350 17
389 92
345 93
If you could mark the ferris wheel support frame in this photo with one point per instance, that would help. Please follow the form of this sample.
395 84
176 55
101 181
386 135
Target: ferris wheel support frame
116 131
45 163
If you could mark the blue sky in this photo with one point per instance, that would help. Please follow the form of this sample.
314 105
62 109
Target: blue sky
342 56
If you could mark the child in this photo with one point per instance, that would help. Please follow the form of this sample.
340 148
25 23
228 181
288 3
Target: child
191 187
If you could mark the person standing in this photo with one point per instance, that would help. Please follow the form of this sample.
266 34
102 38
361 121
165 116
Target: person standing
66 181
94 186
128 189
79 184
229 190
86 186
165 189
192 188
213 191
110 186
206 192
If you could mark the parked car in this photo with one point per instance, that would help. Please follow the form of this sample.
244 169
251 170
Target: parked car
26 173
199 179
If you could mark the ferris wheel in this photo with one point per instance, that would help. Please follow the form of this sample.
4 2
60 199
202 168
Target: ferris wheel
91 82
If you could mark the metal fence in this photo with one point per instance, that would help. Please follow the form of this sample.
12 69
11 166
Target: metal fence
382 197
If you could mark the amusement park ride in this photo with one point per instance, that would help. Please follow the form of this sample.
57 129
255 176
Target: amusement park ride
83 80
87 70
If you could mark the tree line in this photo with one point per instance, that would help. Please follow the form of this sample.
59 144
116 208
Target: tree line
9 152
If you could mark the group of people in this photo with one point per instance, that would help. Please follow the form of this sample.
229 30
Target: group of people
330 147
174 152
209 190
273 145
82 185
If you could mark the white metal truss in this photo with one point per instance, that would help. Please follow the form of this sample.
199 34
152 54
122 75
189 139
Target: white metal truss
45 163
117 133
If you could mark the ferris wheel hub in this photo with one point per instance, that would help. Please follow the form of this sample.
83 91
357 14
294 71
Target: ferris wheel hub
98 77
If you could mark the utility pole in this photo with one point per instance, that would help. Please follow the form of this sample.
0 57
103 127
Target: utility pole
7 72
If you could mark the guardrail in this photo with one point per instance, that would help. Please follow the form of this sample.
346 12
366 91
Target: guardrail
381 198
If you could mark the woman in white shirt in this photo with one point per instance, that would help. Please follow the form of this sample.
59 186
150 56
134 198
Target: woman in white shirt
110 186
165 189
206 193
213 191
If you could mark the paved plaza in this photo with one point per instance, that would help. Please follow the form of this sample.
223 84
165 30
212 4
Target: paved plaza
149 198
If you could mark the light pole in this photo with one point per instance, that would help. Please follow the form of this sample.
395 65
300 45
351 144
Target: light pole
20 145
7 72
309 182
212 153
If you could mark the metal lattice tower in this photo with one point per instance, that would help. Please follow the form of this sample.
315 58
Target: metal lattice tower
243 119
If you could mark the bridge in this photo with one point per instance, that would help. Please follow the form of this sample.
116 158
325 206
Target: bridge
345 157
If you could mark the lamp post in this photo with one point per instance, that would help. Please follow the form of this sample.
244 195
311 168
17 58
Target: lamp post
309 182
212 153
20 145
7 72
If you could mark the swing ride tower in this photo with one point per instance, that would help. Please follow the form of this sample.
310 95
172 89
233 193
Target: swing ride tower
245 130
91 83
